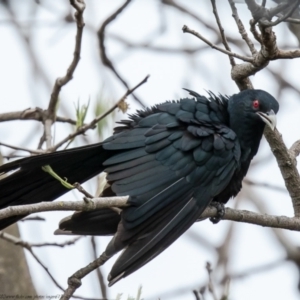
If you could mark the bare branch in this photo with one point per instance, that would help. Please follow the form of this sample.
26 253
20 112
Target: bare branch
198 35
97 203
61 245
255 270
256 10
221 29
80 188
241 27
295 150
12 239
286 54
79 5
287 167
254 31
293 20
190 13
98 270
282 18
104 58
93 204
265 185
36 114
148 47
211 287
92 124
74 281
31 151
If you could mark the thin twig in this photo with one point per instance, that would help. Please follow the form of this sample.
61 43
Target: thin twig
36 114
104 58
293 20
190 13
254 31
79 5
148 47
241 27
60 245
28 246
92 124
12 239
31 151
198 35
265 185
264 268
98 270
221 29
211 287
80 188
282 18
74 282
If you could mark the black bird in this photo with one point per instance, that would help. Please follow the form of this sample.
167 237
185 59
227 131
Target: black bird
173 160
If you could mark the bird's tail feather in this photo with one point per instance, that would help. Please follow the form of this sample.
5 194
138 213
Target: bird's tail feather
30 184
96 222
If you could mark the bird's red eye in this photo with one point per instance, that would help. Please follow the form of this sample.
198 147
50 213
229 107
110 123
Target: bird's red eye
255 104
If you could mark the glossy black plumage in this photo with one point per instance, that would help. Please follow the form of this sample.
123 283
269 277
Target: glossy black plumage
172 159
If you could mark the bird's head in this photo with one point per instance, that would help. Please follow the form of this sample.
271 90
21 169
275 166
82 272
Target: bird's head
249 112
253 106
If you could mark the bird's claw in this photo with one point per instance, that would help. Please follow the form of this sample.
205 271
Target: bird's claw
220 212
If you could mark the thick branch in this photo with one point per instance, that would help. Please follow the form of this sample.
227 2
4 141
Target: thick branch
287 167
97 203
93 204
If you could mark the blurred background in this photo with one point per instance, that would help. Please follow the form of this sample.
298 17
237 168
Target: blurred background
37 41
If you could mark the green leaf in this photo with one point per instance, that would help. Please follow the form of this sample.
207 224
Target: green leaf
64 182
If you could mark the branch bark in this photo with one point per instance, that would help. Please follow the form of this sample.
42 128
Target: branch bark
290 223
79 5
287 166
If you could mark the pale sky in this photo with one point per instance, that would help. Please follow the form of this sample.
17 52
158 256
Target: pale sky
182 265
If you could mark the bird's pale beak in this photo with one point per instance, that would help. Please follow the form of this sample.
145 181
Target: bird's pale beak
269 118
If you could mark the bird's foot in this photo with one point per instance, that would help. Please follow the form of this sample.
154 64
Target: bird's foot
220 212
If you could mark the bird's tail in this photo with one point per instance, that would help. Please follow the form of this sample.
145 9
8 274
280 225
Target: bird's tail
30 184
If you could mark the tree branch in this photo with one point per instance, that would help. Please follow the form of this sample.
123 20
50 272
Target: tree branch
186 29
104 58
93 204
79 5
35 114
97 203
286 165
120 104
222 32
241 28
74 282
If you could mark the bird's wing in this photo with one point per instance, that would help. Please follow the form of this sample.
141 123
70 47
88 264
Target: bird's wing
174 165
